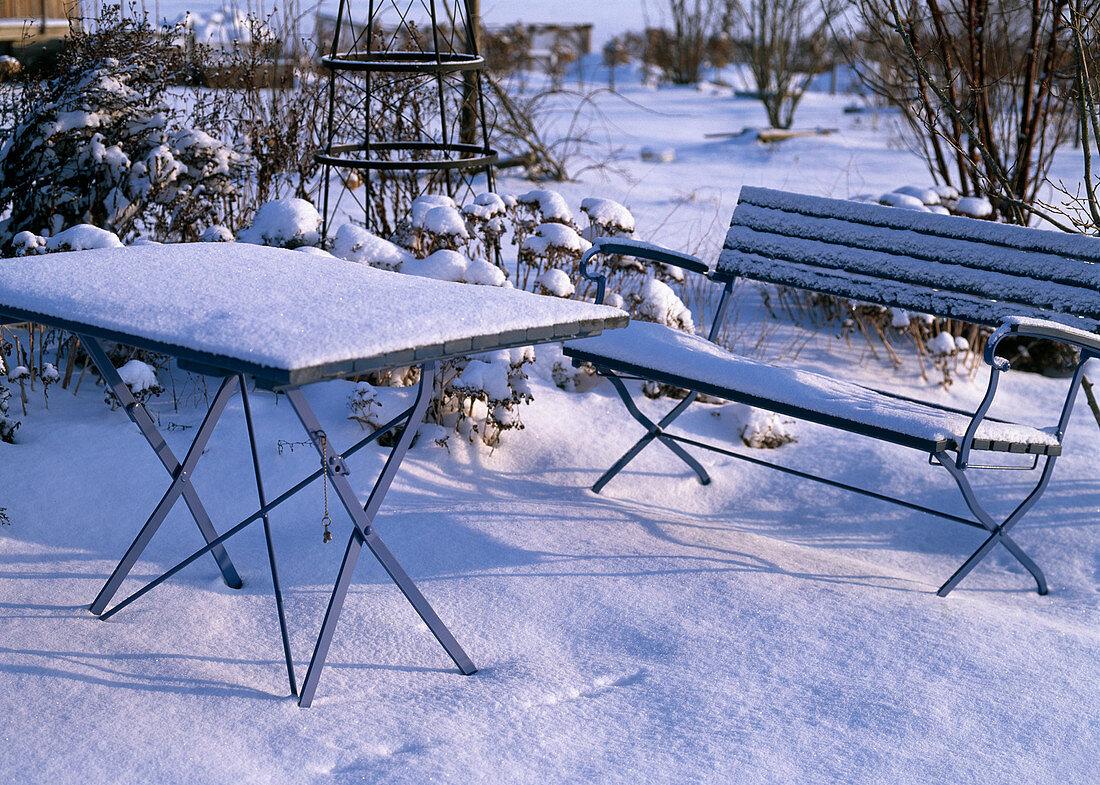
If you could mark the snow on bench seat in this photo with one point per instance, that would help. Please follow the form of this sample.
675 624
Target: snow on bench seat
284 316
698 364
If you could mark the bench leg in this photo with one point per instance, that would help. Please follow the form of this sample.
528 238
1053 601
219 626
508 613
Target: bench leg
653 431
998 533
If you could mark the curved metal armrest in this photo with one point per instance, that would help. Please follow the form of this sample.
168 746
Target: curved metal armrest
1041 328
1089 343
639 250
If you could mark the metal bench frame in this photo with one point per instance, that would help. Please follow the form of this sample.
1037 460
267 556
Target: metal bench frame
955 458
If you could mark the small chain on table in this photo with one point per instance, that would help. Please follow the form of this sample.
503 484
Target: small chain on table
326 520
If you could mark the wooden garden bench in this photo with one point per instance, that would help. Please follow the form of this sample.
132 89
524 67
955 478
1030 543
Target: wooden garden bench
1025 282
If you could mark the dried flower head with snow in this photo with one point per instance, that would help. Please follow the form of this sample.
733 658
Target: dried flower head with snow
140 378
284 223
356 244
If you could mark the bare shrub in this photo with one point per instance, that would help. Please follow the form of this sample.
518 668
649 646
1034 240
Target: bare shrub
784 43
680 48
985 88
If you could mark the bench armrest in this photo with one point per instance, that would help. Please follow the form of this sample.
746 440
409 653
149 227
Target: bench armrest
1089 343
638 250
1041 328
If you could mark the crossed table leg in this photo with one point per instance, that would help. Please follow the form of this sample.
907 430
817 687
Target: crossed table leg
335 471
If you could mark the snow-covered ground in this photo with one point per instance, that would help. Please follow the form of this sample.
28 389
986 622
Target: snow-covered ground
759 629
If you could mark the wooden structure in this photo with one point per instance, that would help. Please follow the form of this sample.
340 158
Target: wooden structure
35 21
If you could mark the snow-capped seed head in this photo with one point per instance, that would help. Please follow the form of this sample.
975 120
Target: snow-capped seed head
49 374
899 318
418 210
445 221
550 205
484 207
140 377
942 344
558 237
19 373
608 214
556 283
217 234
356 244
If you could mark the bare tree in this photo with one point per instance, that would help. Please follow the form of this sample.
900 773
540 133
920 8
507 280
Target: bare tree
680 49
985 86
785 43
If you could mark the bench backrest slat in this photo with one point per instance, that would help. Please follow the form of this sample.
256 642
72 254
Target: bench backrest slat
938 274
919 299
945 265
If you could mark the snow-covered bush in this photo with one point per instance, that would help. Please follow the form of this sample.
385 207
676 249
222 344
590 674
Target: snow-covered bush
101 145
356 244
447 241
655 301
487 390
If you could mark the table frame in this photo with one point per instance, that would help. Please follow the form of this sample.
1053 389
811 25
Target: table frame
335 471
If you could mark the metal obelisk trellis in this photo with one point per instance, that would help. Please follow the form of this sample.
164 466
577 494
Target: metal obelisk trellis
406 111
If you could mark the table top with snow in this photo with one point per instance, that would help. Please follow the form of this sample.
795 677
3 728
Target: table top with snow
286 317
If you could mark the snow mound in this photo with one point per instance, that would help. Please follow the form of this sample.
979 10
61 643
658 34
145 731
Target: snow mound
974 206
447 265
217 234
927 196
895 199
284 223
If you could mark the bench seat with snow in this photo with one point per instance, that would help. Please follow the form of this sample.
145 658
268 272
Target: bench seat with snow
1024 282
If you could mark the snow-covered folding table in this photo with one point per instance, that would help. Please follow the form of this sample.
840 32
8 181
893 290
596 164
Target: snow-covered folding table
287 319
